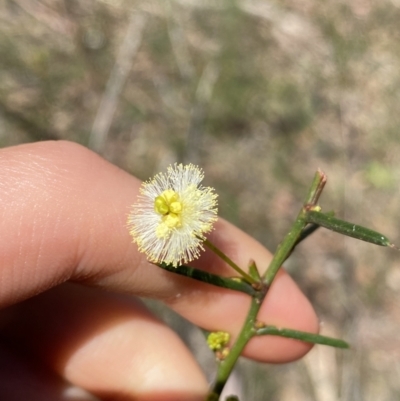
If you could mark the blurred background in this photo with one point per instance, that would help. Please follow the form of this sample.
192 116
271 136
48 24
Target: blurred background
259 94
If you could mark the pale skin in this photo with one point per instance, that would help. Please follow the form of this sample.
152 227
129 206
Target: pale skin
69 275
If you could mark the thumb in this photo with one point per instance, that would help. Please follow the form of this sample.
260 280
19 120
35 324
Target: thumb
64 212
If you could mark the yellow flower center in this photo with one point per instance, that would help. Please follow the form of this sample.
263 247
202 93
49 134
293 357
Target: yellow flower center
170 207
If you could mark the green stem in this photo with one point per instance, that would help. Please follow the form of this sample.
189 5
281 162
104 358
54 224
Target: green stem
283 251
311 228
286 246
228 261
316 188
308 230
247 332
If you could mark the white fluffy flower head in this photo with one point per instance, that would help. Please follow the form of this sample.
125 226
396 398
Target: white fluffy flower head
172 215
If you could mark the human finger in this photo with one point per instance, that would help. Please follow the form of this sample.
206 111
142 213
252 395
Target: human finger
108 344
64 211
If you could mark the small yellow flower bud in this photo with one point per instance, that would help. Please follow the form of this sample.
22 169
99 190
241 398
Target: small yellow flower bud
160 205
170 196
171 220
175 207
218 340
